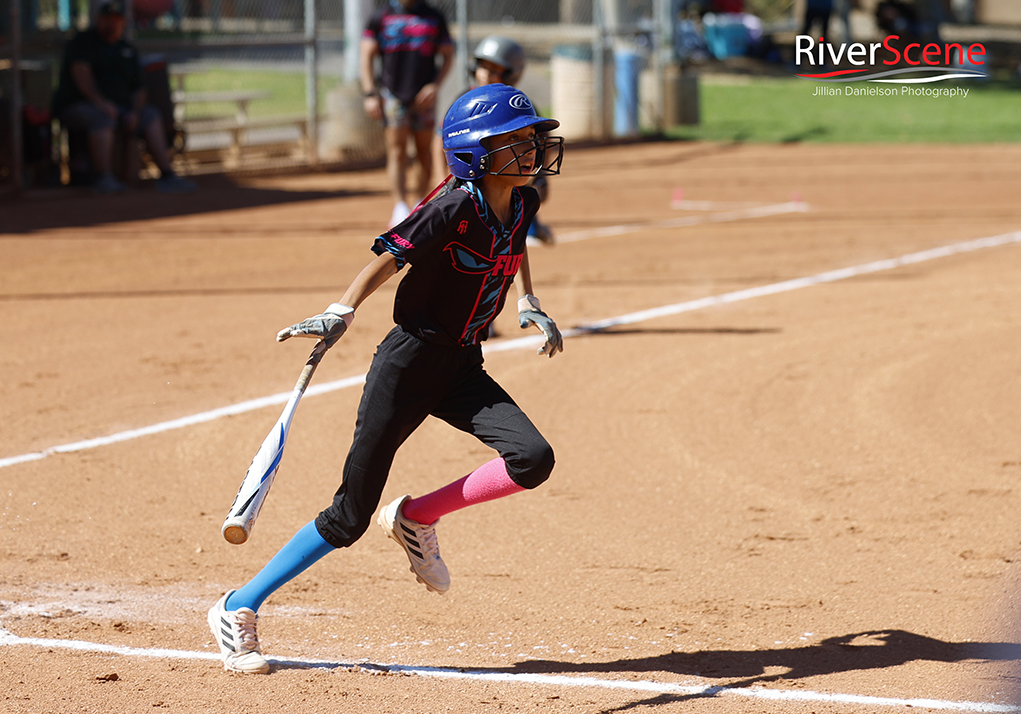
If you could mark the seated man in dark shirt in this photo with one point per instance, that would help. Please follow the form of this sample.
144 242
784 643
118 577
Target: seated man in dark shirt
101 92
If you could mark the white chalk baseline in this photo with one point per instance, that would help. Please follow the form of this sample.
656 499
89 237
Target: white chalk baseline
536 340
693 691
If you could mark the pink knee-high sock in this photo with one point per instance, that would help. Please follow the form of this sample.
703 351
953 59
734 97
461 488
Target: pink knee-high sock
487 482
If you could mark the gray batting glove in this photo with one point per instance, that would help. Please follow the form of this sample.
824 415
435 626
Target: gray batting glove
328 326
529 313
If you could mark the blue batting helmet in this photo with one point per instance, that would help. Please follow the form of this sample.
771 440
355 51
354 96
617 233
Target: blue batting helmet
484 112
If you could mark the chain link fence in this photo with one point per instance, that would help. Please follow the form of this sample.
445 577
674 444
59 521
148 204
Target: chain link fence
259 84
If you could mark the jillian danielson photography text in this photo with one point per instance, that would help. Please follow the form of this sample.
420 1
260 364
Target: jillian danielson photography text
849 91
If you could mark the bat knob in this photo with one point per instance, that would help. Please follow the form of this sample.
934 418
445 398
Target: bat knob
234 534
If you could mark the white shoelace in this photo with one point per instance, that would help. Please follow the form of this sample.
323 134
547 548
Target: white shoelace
248 639
427 537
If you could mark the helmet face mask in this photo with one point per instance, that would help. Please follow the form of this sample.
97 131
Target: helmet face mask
543 154
489 111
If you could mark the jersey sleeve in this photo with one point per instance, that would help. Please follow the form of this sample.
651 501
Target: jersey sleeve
444 32
374 26
420 233
78 50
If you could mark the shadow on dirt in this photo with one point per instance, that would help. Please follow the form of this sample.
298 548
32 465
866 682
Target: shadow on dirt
78 208
734 669
873 650
814 133
181 292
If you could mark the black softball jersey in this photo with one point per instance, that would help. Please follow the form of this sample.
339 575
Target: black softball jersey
463 262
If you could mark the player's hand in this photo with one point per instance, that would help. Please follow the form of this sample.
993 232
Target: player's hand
529 313
426 97
328 326
108 108
374 106
130 121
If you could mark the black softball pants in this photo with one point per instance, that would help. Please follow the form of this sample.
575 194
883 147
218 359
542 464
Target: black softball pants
409 380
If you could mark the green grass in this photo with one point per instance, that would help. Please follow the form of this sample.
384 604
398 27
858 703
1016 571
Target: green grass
767 110
288 91
784 110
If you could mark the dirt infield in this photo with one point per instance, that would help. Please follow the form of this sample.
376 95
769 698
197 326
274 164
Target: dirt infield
801 499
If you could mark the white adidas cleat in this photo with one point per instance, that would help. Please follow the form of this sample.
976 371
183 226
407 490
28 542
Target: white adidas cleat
234 632
419 543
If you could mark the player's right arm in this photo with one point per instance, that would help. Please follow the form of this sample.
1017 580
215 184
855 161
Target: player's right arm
368 51
331 324
381 269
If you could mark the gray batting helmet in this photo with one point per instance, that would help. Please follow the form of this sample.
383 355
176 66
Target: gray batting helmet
505 52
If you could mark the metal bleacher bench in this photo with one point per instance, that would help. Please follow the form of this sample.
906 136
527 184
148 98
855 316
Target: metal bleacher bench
240 98
237 125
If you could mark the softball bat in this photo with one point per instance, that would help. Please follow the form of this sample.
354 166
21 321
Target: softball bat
256 484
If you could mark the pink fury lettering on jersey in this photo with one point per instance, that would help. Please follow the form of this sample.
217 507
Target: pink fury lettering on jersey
401 242
486 483
507 265
476 321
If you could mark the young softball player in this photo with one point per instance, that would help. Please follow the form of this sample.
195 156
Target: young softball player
501 60
464 246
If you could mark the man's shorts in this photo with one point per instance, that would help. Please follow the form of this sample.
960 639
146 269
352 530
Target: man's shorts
87 117
397 114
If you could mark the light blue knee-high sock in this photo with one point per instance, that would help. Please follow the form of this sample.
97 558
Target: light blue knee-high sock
301 551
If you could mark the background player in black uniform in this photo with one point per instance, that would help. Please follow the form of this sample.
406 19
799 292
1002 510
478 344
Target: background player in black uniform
407 36
465 248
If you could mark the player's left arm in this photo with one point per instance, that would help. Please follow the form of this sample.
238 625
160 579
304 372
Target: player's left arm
428 94
446 51
530 312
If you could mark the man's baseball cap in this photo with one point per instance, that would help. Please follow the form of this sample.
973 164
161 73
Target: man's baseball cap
112 7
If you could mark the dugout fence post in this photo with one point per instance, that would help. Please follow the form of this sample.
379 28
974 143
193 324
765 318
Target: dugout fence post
354 20
17 147
311 83
661 57
461 62
598 68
